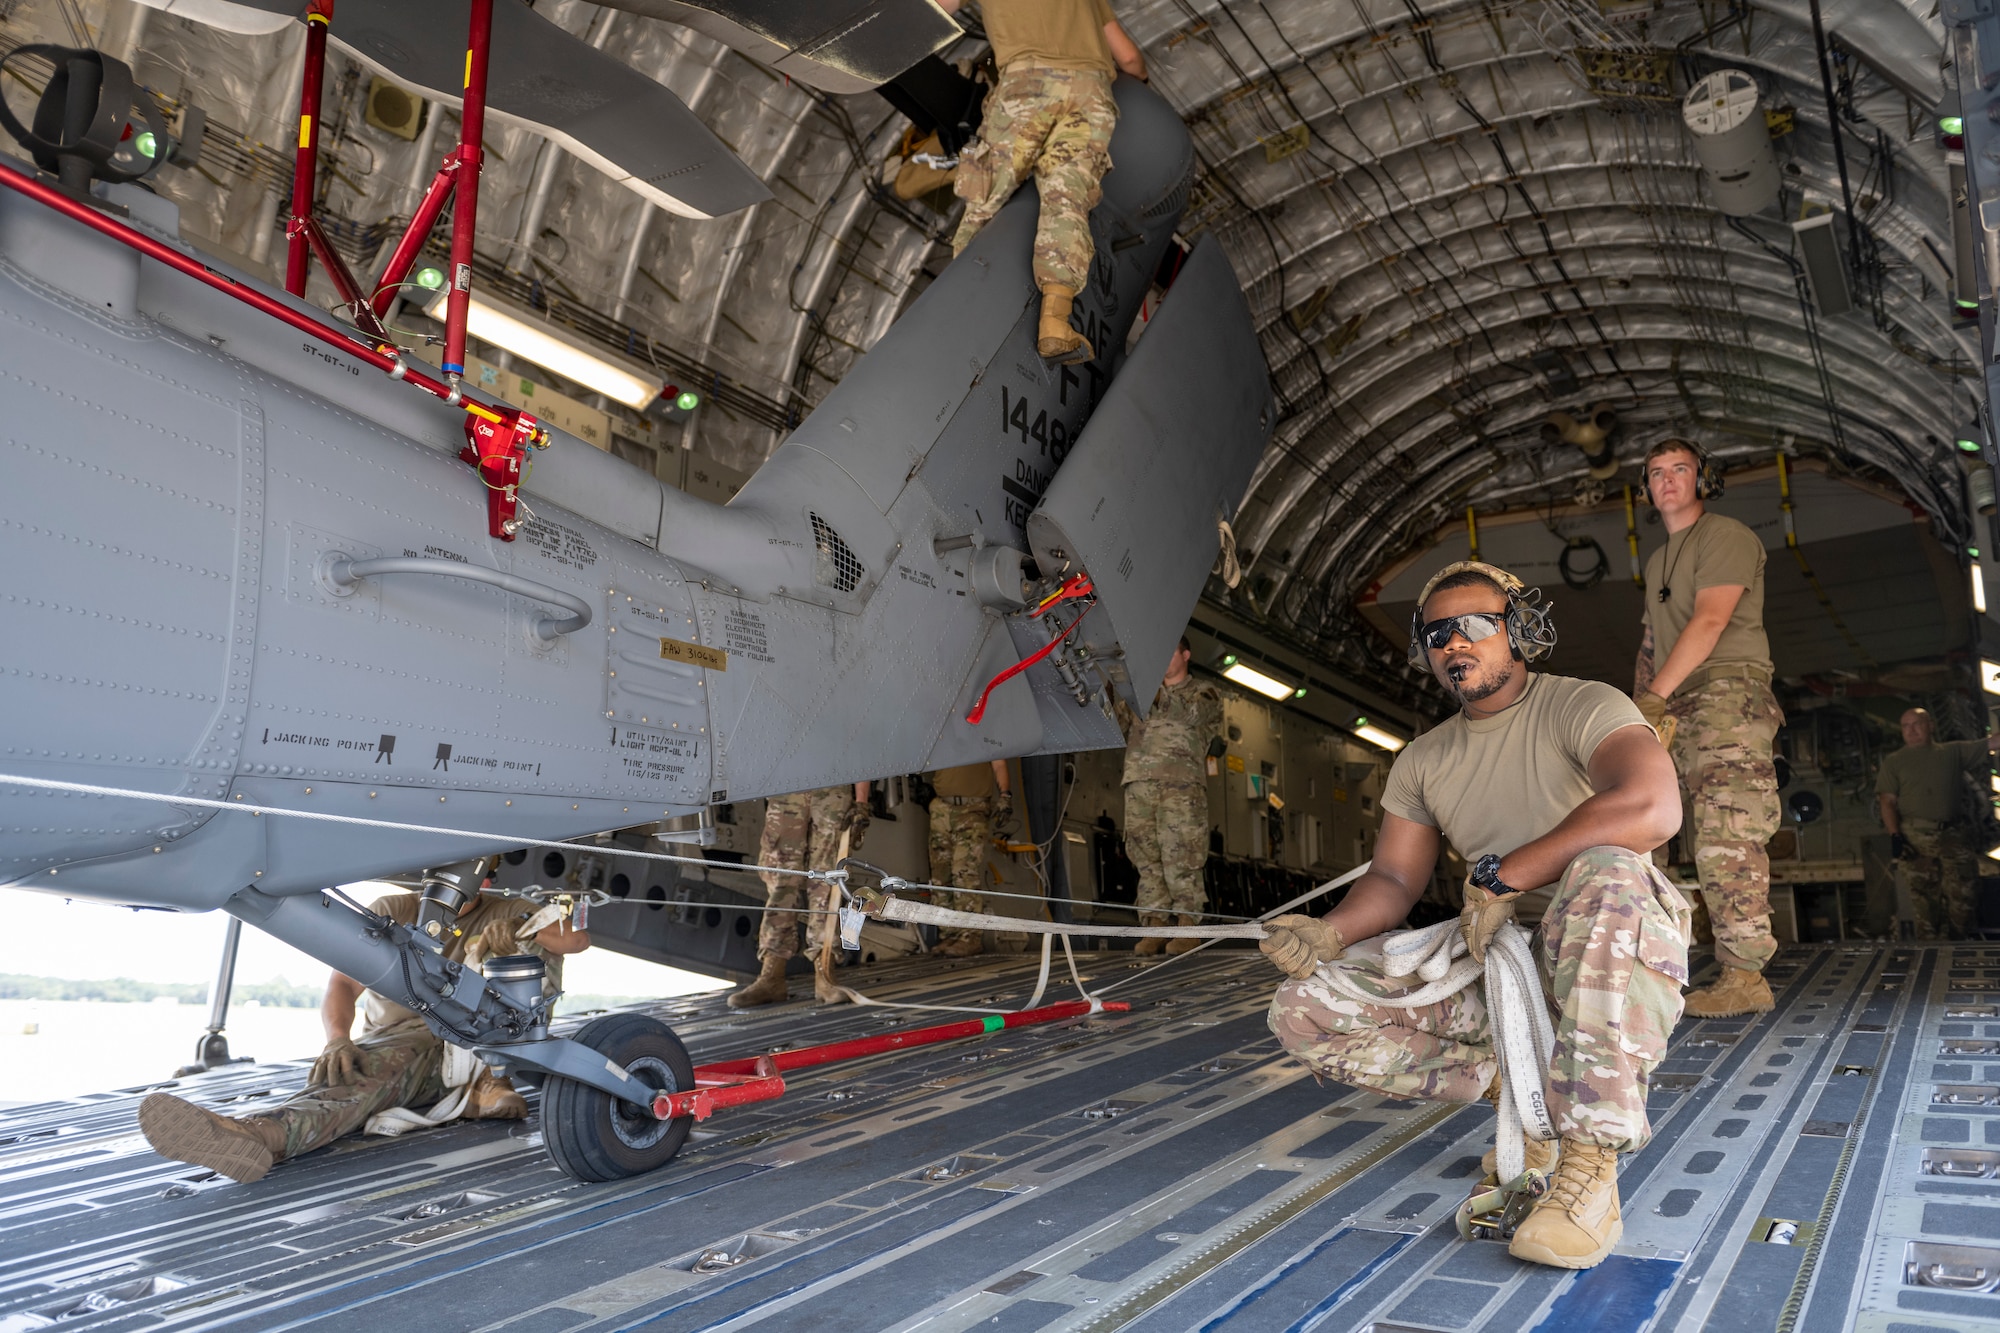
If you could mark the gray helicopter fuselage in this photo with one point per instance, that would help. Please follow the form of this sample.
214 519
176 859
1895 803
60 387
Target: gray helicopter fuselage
185 476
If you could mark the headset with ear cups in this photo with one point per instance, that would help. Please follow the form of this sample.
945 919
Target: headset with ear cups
1707 477
1530 635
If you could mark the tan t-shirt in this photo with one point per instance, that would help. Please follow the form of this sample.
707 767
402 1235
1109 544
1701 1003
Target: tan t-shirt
379 1012
1713 552
1925 779
1493 784
966 780
1063 34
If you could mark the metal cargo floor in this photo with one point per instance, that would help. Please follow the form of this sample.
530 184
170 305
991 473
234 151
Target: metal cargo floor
1161 1170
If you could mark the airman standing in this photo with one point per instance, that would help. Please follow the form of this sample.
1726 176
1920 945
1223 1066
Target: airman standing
1050 115
801 831
1705 662
1921 792
1166 799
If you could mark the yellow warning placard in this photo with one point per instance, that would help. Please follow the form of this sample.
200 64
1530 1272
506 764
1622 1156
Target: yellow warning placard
694 654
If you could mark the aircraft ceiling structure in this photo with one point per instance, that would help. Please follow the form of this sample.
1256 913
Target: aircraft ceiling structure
1451 219
1494 212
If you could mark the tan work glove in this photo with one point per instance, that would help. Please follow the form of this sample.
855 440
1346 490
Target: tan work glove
1481 917
1298 944
1654 709
497 940
338 1066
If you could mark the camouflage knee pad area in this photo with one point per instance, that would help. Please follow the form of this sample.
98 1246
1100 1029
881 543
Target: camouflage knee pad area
959 837
801 830
401 1066
1940 879
1056 125
1613 953
1722 751
1166 835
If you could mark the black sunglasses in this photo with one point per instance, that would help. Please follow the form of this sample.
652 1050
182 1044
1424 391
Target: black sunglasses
1474 625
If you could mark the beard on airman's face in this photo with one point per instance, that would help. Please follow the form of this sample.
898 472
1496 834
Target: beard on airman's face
1471 671
1471 678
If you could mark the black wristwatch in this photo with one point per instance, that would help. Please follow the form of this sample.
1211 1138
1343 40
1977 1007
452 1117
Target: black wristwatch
1486 874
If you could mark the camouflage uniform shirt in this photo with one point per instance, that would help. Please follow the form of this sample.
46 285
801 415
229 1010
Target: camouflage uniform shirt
1171 745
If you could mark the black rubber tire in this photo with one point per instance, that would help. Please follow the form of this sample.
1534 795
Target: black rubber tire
594 1136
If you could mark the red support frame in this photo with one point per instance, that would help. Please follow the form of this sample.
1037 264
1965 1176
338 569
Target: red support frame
305 163
458 175
761 1078
303 235
465 210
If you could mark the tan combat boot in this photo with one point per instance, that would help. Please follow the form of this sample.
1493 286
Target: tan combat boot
1741 991
1186 943
493 1098
1054 338
1577 1222
963 946
1155 944
243 1150
768 988
828 991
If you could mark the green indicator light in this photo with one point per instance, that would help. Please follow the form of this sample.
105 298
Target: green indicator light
1229 659
1951 124
1966 305
1299 693
1360 721
431 278
146 143
1969 446
688 400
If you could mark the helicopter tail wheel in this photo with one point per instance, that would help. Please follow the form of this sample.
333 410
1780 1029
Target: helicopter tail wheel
594 1136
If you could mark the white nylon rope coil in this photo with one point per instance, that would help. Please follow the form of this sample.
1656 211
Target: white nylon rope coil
1516 1013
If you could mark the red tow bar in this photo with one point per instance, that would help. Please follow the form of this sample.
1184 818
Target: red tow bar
760 1079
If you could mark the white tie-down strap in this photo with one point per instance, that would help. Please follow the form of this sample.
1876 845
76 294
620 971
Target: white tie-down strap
927 914
1523 1038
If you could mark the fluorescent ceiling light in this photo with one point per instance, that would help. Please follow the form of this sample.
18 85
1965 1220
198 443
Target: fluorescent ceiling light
555 349
1978 589
1258 681
1989 676
1374 735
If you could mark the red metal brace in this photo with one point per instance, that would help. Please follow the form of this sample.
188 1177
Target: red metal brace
465 209
497 442
304 236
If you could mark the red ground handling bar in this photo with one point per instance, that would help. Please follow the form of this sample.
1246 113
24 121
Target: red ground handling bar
761 1078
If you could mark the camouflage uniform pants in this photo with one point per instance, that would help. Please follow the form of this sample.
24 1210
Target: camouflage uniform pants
1940 878
801 831
1166 835
1612 951
400 1066
1722 748
1057 124
960 835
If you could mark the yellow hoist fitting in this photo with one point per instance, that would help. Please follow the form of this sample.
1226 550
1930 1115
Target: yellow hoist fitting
1472 531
